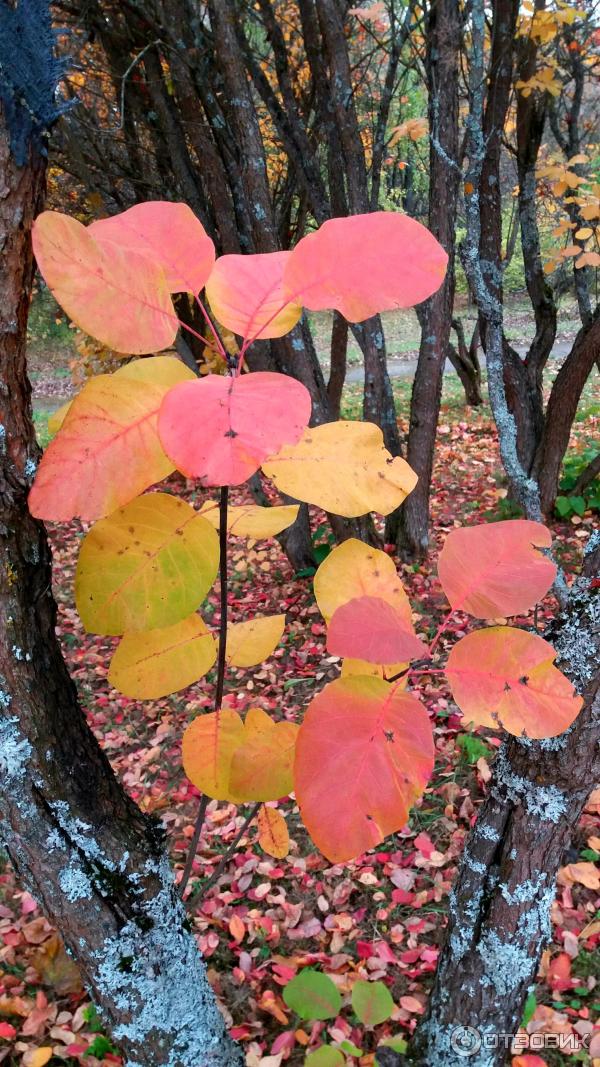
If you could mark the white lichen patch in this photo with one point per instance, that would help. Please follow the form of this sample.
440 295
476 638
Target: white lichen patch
547 802
74 882
15 751
157 980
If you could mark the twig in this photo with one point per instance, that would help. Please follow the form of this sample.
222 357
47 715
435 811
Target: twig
203 889
223 576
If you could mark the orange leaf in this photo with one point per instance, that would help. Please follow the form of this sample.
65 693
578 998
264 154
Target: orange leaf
273 836
586 874
107 450
220 429
262 765
120 298
495 569
169 235
369 628
237 928
364 264
363 756
246 295
207 747
504 677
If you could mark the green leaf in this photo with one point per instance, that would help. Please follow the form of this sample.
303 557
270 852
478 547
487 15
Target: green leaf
326 1056
577 504
529 1010
371 1002
312 995
352 1050
472 747
563 506
398 1044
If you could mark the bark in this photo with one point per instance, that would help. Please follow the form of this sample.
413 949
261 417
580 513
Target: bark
96 864
465 361
435 315
499 916
562 408
338 364
587 476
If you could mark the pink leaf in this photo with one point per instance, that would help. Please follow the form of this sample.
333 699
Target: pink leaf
221 429
365 264
371 629
169 235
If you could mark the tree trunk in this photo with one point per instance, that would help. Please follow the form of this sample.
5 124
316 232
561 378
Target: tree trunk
499 917
338 364
96 864
562 408
435 315
466 363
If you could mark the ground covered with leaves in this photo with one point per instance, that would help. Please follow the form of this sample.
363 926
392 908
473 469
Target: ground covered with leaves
262 920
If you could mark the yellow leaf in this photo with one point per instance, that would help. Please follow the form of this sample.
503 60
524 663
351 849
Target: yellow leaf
56 419
583 234
207 748
249 643
273 836
37 1057
262 766
354 569
159 370
375 670
153 663
344 468
250 520
148 565
590 211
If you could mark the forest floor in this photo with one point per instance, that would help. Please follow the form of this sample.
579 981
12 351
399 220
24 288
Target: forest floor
381 916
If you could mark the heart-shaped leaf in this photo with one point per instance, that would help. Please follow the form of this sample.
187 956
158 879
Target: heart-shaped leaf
502 677
365 264
369 628
313 995
371 1002
220 429
344 468
120 298
146 566
363 755
246 295
496 569
262 766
